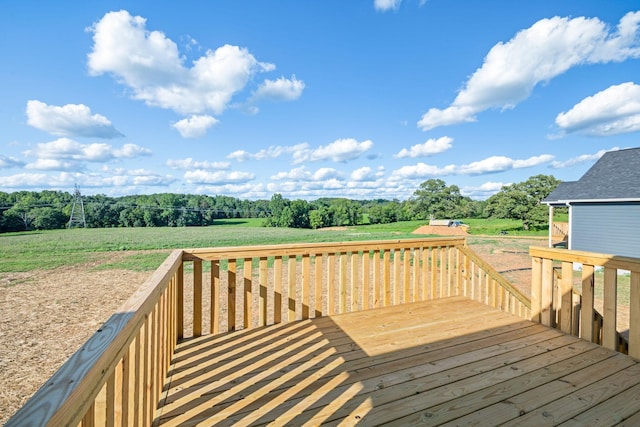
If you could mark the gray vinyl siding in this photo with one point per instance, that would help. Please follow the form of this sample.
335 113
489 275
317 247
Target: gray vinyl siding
610 228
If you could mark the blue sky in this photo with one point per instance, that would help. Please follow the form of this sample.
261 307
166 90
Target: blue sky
361 99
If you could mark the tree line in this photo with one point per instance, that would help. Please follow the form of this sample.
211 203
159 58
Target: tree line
25 210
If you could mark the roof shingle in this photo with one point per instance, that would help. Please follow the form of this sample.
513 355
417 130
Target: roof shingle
615 176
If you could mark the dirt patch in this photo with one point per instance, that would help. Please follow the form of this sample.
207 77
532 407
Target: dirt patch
45 316
442 230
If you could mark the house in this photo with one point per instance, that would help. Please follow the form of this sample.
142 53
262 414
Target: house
604 205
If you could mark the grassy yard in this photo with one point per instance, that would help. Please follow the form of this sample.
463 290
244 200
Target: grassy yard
44 250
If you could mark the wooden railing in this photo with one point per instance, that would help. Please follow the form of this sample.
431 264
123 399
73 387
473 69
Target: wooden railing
559 230
116 378
553 300
271 284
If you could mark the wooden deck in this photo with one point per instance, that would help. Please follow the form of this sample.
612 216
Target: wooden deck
450 360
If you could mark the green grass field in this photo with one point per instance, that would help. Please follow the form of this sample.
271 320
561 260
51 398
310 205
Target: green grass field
51 249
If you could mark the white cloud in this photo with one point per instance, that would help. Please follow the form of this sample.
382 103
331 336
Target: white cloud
127 181
10 162
189 163
243 191
429 148
421 170
341 150
489 165
537 54
484 191
68 149
52 165
195 126
73 120
41 180
500 164
272 152
150 65
615 110
280 90
386 5
302 174
200 176
367 174
584 158
134 178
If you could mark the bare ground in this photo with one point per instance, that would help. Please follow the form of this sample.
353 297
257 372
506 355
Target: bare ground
45 316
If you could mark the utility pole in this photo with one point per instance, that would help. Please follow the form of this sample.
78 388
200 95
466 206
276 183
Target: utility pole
77 218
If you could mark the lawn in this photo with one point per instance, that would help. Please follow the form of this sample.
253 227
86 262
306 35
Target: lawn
43 250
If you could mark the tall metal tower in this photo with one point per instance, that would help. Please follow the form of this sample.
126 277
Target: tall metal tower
77 218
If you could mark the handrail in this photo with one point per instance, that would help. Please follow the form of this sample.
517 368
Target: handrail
117 377
82 390
560 229
493 273
552 301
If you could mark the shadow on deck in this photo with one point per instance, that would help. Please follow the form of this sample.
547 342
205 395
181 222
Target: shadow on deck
451 360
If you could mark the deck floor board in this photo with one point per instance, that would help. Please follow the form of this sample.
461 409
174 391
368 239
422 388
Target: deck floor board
450 360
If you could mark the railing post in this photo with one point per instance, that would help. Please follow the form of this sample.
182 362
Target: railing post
634 315
536 289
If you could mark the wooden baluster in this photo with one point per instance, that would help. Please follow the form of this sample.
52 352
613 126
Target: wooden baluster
417 285
377 283
406 276
354 286
214 327
546 293
197 298
180 302
450 270
434 271
424 255
609 331
128 384
397 287
342 284
277 289
264 300
318 281
231 295
367 295
292 294
443 285
566 294
305 289
386 278
247 286
536 289
331 283
634 315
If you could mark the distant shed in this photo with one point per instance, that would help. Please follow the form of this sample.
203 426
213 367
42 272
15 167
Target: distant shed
604 205
440 222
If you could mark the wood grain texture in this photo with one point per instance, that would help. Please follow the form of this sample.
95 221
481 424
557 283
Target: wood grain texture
425 363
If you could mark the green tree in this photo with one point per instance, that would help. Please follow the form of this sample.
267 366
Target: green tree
280 215
47 218
522 201
434 199
319 217
300 214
